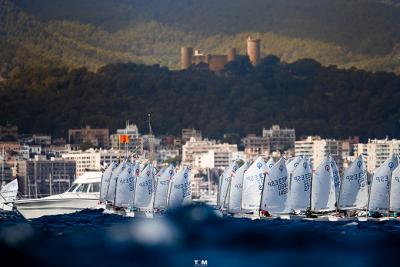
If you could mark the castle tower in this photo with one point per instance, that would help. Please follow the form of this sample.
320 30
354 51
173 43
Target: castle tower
186 57
253 50
231 54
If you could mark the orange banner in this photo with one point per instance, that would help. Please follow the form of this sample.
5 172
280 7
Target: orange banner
123 138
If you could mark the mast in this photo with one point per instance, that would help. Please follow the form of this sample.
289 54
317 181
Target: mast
288 201
226 198
35 179
151 142
155 180
134 191
50 184
219 189
2 166
311 182
29 187
340 192
126 143
262 194
209 181
388 195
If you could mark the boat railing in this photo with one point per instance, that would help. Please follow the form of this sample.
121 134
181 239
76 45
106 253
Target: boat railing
21 196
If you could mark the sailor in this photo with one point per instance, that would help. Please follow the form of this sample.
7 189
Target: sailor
265 213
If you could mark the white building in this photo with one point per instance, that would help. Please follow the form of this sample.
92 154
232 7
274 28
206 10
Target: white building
187 134
163 155
317 149
208 154
57 150
89 159
43 140
93 159
108 156
24 152
279 138
378 151
135 141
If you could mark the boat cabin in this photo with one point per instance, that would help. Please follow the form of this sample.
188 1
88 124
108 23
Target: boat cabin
89 182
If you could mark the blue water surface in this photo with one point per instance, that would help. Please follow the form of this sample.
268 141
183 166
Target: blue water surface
193 236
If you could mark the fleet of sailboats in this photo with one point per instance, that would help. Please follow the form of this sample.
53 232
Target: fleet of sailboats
290 189
132 189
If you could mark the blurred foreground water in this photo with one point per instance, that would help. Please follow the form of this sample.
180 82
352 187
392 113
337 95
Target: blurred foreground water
91 238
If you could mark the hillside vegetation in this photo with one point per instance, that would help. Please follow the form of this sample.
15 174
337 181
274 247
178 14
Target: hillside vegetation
92 33
305 95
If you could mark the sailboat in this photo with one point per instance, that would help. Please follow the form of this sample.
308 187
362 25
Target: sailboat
336 176
300 187
105 181
234 201
323 192
353 195
275 190
144 191
8 195
225 181
126 185
162 187
112 186
253 182
378 203
180 192
394 199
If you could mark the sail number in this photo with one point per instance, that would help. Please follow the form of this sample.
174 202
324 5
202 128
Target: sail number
281 184
382 179
306 179
149 185
129 181
259 178
359 177
185 189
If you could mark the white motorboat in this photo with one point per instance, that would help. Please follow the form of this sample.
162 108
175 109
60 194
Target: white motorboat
83 194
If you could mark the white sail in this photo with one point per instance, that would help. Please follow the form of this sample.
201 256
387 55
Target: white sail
162 186
105 181
113 181
292 163
380 184
224 183
235 190
9 191
276 188
300 185
323 195
144 191
336 176
253 181
395 190
125 186
354 186
270 163
180 193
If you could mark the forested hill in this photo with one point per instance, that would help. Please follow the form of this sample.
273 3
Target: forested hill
91 33
305 95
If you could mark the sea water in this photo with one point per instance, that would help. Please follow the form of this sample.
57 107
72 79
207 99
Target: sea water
193 236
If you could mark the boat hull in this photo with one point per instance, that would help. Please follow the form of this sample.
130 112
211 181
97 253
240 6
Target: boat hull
35 208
